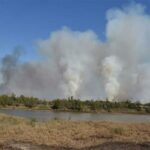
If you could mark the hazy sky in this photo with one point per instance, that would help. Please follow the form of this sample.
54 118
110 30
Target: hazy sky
23 22
91 48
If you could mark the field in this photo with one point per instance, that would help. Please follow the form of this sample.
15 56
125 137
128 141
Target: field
26 134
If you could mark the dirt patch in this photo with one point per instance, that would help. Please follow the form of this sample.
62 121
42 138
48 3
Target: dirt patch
120 146
104 146
28 146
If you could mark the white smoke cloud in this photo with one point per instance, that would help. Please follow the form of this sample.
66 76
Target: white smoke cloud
111 71
71 52
81 65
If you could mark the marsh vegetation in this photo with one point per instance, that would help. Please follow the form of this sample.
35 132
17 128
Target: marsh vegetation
72 104
60 134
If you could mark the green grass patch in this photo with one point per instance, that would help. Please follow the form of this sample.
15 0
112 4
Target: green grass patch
118 130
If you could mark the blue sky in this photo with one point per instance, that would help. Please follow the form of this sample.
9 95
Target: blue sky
22 22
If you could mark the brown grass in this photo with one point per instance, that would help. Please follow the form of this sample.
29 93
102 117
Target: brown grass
75 134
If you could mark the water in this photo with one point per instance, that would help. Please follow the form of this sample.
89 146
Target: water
48 115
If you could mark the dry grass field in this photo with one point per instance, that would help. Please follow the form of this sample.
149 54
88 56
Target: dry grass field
23 134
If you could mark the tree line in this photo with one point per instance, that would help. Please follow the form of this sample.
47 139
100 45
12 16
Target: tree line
72 104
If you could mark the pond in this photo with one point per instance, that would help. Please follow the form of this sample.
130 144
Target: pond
49 115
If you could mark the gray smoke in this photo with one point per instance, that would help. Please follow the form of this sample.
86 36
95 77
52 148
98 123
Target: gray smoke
79 64
8 69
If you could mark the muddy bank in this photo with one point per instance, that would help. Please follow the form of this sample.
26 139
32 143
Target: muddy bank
104 146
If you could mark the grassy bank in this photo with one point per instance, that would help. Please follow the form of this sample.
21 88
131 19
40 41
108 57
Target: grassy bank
73 134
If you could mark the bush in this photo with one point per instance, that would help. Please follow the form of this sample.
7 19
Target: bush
118 130
56 104
147 109
32 121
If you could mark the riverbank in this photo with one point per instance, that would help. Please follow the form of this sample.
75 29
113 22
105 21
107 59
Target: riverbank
71 134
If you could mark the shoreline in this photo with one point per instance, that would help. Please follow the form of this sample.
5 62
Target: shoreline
71 111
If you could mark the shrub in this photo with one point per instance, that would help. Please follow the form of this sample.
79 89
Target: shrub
118 130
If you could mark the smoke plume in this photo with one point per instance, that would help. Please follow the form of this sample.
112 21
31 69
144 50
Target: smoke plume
111 70
80 64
